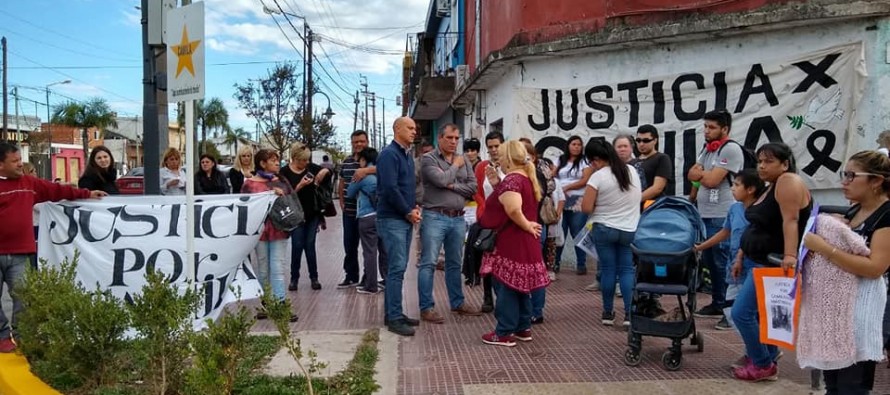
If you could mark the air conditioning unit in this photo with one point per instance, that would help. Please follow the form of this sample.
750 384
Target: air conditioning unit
443 8
461 76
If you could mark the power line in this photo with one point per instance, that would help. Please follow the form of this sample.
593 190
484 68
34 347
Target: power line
135 67
74 78
61 48
372 28
92 45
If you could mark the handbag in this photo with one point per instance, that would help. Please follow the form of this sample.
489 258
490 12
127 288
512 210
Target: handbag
548 215
487 238
485 241
324 201
287 212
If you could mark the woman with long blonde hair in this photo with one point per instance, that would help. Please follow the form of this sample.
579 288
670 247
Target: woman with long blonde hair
242 169
516 264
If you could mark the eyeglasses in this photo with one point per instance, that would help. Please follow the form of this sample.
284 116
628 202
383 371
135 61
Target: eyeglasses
848 176
644 141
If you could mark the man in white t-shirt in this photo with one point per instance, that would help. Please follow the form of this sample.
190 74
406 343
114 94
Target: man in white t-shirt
710 174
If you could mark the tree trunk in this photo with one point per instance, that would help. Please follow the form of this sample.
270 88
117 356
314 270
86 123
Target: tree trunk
86 145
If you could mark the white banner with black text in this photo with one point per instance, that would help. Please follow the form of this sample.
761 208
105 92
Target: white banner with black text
119 238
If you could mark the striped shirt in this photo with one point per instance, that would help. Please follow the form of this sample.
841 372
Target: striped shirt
347 170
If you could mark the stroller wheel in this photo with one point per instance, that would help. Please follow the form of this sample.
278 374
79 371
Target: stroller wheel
632 358
699 342
671 361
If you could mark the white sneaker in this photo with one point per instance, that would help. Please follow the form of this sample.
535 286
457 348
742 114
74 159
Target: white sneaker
594 286
617 291
552 275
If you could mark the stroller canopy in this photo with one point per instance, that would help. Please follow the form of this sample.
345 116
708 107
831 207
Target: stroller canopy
670 225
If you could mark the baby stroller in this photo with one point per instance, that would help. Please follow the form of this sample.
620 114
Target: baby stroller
666 265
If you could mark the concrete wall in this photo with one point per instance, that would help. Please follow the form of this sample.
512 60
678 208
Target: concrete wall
508 22
873 113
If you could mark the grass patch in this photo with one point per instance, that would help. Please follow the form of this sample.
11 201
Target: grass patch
357 378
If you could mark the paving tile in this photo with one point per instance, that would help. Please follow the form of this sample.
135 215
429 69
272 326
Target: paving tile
570 347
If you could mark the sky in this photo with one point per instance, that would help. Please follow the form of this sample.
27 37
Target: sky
97 45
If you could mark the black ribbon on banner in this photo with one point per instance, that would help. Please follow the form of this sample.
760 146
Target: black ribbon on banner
821 157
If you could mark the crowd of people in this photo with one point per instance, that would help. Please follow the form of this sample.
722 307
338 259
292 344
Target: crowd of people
503 222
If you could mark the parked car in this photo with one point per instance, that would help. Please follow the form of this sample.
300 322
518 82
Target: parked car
132 183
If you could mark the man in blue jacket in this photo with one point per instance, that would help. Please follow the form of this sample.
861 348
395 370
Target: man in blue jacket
397 212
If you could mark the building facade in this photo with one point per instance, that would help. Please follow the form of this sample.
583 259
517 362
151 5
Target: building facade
814 74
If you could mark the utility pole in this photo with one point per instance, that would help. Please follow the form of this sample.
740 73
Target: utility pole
310 88
374 117
355 120
382 120
364 84
18 125
5 99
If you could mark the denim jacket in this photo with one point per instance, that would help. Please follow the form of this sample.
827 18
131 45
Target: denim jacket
362 192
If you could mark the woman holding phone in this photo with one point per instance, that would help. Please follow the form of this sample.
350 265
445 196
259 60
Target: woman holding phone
305 178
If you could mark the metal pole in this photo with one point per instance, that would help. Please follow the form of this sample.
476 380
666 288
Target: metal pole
374 118
49 132
355 120
310 88
189 191
5 99
151 131
382 122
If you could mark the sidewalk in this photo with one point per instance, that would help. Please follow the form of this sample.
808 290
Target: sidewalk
572 352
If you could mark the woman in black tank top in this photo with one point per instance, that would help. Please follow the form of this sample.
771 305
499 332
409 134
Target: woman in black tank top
776 221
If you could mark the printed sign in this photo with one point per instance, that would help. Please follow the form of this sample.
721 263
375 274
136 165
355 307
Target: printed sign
779 308
807 101
185 61
119 238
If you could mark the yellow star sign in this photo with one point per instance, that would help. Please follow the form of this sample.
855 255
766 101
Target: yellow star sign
184 51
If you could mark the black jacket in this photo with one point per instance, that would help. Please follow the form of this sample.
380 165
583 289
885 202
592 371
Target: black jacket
96 181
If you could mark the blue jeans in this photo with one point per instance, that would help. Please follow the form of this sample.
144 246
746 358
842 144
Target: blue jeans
350 246
539 296
512 309
715 259
303 239
438 229
396 236
573 221
271 257
745 317
12 271
615 259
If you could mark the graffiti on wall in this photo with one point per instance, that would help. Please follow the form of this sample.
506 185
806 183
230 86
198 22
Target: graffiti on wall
806 101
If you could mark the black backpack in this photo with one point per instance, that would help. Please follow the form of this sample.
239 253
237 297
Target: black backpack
750 159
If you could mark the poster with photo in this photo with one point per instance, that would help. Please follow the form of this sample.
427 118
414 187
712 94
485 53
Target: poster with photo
778 302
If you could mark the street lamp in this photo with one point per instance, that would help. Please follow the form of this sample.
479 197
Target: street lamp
49 128
328 114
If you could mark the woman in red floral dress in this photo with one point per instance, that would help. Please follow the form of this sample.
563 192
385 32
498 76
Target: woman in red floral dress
516 264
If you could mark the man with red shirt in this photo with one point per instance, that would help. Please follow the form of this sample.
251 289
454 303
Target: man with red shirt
18 194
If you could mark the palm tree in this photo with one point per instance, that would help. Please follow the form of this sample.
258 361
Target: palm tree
235 136
94 112
212 115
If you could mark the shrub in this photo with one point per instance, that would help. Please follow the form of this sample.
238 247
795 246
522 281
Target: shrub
71 336
218 351
163 320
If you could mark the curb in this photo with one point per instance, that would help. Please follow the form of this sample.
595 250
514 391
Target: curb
16 377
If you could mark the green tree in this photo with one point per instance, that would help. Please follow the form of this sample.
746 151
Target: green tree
236 136
275 101
94 112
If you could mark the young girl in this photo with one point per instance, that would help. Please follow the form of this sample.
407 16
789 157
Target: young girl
746 188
